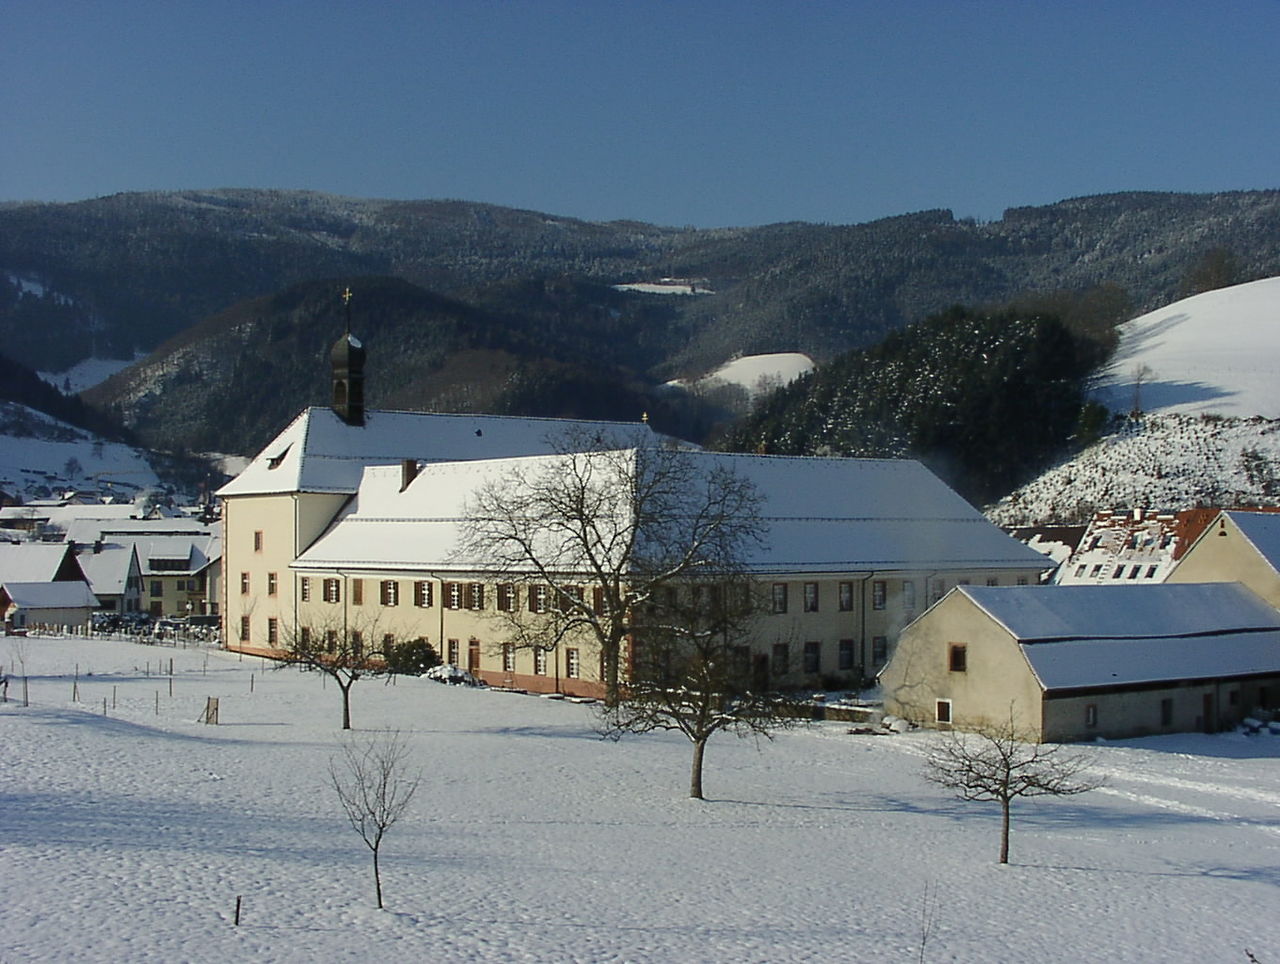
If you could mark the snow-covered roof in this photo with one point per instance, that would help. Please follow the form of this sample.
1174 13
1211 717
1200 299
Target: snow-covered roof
50 595
1032 613
31 561
87 530
108 569
819 515
319 452
1076 663
192 552
1262 529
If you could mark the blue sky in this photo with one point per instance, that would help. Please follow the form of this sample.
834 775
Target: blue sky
702 113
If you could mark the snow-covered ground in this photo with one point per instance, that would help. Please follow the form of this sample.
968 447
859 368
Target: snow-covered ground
86 374
755 373
40 456
127 835
668 286
1214 352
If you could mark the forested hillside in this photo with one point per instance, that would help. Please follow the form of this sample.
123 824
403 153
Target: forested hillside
539 348
985 399
125 273
20 384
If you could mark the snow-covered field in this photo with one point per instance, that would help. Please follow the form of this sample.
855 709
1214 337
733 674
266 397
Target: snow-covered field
86 374
1214 352
128 835
756 373
39 454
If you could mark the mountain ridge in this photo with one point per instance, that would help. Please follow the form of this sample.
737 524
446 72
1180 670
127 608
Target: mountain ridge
124 273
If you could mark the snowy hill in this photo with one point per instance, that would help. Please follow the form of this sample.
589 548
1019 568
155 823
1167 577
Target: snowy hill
1215 352
41 457
1156 462
1203 373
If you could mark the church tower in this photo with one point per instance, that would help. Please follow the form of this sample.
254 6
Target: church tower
347 359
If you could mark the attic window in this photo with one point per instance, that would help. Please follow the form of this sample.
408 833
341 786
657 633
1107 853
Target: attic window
275 460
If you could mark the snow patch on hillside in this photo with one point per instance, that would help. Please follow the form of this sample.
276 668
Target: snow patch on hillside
756 374
1215 352
86 374
41 457
1156 462
669 286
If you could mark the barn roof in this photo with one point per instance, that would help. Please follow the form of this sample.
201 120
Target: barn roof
50 595
1262 530
1095 663
1037 613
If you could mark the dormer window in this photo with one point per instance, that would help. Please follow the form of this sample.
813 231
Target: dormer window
275 460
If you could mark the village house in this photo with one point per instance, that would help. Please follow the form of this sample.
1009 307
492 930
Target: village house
42 585
1083 662
179 560
1237 546
114 575
349 520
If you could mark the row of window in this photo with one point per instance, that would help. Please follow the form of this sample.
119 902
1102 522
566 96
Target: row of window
813 661
811 594
455 595
539 599
181 585
1118 572
305 637
453 655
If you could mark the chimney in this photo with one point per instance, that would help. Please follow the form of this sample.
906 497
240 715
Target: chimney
97 545
408 472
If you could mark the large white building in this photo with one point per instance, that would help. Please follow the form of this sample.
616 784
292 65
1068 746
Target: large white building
352 516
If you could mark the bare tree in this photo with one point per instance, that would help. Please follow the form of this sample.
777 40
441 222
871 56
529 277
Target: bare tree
592 534
1141 375
339 651
374 786
691 671
998 762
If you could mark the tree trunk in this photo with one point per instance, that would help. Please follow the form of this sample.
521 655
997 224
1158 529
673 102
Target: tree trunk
377 878
695 776
346 706
611 675
1004 831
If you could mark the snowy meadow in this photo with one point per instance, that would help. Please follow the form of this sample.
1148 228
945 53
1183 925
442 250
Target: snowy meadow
128 829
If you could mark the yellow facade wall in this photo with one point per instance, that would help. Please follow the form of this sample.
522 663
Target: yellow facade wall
995 683
1223 554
